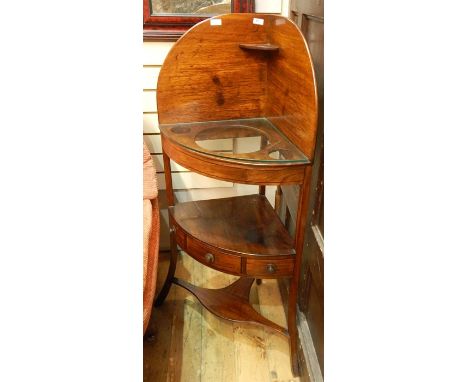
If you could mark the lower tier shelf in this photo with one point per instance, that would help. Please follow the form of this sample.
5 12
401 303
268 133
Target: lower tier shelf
241 235
231 303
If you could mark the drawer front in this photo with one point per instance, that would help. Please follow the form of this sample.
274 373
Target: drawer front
213 257
269 268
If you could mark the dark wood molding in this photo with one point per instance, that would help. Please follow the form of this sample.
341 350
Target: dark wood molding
161 35
309 365
318 19
310 18
172 27
243 6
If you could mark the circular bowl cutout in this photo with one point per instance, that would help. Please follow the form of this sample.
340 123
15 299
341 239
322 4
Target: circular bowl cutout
238 139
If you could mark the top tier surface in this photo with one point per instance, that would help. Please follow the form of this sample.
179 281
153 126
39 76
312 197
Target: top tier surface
241 67
250 140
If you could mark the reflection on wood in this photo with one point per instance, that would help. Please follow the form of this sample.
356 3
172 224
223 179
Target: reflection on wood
210 87
211 7
243 225
190 135
238 309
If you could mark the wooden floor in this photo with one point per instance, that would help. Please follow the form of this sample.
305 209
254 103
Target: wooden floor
190 344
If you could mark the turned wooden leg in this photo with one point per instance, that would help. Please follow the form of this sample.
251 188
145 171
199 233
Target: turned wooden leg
170 274
292 325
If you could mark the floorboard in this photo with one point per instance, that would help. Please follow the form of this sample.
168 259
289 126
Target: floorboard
189 344
217 336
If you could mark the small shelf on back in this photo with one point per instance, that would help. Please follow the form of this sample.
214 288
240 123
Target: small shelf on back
265 46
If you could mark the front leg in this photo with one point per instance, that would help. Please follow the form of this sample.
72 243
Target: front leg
170 274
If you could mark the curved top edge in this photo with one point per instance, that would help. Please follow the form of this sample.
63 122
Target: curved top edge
208 76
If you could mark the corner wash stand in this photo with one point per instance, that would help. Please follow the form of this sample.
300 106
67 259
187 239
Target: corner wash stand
237 101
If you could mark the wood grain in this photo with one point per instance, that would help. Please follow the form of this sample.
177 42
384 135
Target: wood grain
311 21
213 257
277 347
217 347
229 305
228 352
269 268
269 139
244 225
208 76
291 90
260 46
249 341
223 72
237 172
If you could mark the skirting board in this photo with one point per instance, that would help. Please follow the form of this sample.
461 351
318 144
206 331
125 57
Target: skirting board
308 361
308 349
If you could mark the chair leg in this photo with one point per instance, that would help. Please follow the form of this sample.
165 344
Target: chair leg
170 274
292 325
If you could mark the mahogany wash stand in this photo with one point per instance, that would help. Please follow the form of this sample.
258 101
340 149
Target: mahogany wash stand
237 101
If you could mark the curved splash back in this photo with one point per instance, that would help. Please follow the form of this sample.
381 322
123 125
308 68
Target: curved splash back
209 75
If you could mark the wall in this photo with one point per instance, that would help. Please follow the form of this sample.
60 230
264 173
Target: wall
188 185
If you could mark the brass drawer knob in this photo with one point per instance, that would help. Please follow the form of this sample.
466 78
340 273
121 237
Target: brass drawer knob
209 257
271 268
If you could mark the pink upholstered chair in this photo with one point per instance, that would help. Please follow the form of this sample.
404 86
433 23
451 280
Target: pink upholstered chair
150 234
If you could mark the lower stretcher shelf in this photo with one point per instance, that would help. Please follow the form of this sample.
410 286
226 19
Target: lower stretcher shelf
231 303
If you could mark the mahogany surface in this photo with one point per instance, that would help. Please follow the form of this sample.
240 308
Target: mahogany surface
245 225
260 46
291 88
213 257
188 134
260 268
236 171
207 76
215 231
228 262
250 74
231 302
